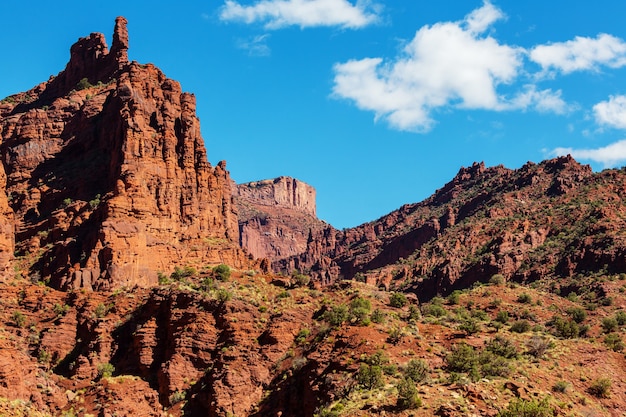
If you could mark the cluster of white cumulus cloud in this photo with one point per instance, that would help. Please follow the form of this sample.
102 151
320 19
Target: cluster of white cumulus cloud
452 64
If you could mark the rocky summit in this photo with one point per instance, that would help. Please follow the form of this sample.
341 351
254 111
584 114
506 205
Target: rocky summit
129 284
106 179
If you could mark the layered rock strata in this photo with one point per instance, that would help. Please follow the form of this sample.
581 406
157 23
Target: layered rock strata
276 217
107 174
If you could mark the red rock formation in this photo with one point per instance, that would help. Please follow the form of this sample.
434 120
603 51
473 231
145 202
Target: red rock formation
276 217
108 175
553 218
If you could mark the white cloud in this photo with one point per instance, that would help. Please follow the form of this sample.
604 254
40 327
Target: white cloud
304 13
581 54
480 19
545 101
611 113
256 45
445 64
609 156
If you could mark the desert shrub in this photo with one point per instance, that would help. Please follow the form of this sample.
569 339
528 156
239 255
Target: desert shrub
398 300
577 314
300 280
525 298
520 326
497 279
408 397
105 370
454 297
163 279
414 313
537 346
435 310
527 408
609 324
302 336
83 84
614 342
469 326
600 388
395 335
378 316
417 370
181 274
222 272
336 315
19 319
223 295
360 309
493 365
60 309
462 358
501 346
567 329
560 386
502 316
101 310
176 397
620 317
283 294
369 376
378 358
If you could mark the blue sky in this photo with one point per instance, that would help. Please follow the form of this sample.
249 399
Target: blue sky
375 103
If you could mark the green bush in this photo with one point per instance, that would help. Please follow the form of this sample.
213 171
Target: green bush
567 329
560 386
360 309
497 279
105 370
19 319
434 310
502 316
609 324
302 336
600 388
493 365
378 316
417 370
414 313
502 346
614 342
300 280
462 358
398 300
454 297
369 376
577 314
336 315
620 317
520 326
83 84
223 295
470 326
525 298
101 310
408 397
222 272
180 274
527 408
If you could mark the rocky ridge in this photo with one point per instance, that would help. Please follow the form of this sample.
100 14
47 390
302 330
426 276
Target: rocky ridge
276 217
107 177
556 218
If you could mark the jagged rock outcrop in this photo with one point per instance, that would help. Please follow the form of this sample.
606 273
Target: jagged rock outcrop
276 217
108 177
556 218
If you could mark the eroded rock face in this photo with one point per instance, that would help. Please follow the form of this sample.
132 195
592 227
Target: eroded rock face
556 218
108 176
276 217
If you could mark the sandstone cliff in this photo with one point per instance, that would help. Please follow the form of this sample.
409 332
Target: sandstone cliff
276 217
107 174
556 218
